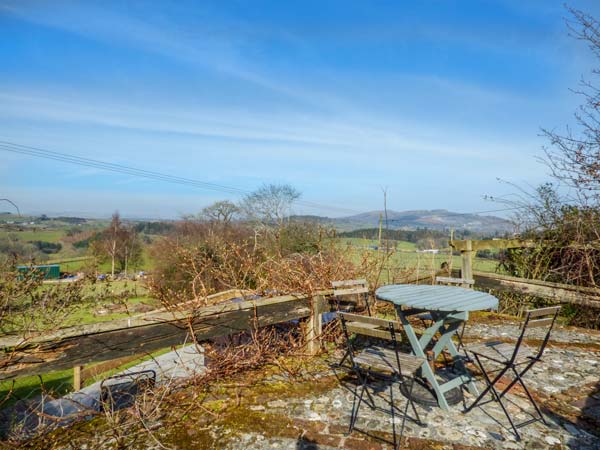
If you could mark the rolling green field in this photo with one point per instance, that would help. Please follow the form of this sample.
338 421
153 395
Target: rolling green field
70 258
100 301
36 235
71 265
130 296
406 257
365 243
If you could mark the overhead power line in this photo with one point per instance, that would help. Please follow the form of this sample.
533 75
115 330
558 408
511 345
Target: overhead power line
133 171
158 176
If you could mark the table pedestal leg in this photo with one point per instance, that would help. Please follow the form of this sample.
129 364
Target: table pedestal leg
418 350
445 341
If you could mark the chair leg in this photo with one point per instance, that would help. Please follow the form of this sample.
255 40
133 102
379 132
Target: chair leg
490 387
461 345
531 399
412 403
519 379
488 382
408 401
356 405
516 379
514 427
371 399
393 416
341 363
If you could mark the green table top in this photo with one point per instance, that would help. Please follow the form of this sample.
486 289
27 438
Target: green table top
436 297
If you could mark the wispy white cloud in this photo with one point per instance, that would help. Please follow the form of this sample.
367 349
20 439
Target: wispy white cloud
199 45
341 136
221 46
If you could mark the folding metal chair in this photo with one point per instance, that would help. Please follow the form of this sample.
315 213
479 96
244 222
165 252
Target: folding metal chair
356 288
376 361
359 288
119 391
513 358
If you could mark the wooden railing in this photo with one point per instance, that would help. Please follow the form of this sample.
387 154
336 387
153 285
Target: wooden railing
123 340
557 292
149 332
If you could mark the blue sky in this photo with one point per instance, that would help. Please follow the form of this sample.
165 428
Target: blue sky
434 100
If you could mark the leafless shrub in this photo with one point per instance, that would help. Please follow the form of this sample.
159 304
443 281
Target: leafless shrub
200 259
27 308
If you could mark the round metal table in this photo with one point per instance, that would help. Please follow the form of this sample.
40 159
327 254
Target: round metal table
449 307
436 297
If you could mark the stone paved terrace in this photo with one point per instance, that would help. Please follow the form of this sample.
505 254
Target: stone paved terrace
566 383
271 409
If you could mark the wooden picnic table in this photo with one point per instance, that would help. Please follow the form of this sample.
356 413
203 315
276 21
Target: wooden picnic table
449 307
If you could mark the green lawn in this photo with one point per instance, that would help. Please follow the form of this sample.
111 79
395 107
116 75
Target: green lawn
56 383
434 261
69 264
105 292
101 302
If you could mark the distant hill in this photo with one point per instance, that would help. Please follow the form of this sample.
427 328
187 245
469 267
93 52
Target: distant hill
437 219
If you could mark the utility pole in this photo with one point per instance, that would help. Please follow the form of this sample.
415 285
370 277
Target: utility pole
380 227
387 233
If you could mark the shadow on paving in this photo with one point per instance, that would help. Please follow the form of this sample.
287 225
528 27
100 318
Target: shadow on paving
589 416
306 444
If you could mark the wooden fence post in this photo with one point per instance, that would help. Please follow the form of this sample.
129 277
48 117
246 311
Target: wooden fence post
77 381
314 326
467 261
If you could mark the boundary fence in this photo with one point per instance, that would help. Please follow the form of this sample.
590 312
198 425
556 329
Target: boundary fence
557 292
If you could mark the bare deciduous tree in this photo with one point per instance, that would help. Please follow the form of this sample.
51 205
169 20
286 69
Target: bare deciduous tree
119 243
111 237
222 211
271 203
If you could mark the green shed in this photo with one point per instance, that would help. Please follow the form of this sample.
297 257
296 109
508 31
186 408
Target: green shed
49 271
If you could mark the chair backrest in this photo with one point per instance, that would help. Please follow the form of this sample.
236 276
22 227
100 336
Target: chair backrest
464 282
358 288
350 287
373 327
538 318
370 326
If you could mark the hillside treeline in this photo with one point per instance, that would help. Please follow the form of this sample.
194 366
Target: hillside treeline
414 236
